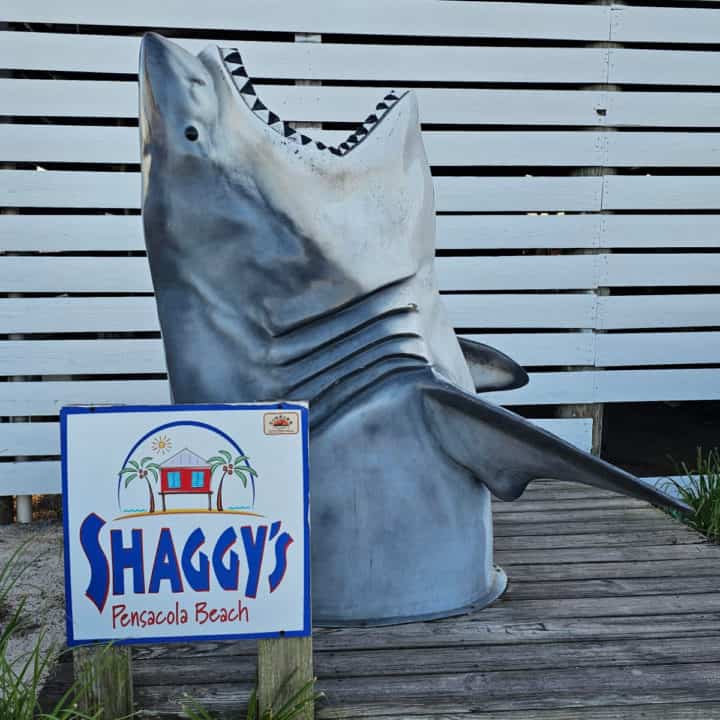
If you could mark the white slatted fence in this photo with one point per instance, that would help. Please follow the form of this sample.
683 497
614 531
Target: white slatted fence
514 97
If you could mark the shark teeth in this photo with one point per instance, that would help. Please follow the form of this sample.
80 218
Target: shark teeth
235 66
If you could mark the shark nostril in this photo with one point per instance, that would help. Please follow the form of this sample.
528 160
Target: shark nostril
191 133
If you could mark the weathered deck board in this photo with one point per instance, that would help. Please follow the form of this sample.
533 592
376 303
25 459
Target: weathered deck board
613 611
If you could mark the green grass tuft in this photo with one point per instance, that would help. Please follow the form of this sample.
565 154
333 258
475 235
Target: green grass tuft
701 492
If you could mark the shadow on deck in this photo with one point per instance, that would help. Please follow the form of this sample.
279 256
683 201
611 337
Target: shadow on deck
613 611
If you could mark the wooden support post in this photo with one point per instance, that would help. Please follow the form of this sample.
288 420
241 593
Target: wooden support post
595 410
23 508
104 677
284 666
6 510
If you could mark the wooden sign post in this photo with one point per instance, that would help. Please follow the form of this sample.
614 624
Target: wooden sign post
186 523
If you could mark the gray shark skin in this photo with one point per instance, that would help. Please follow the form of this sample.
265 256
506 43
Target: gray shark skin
286 269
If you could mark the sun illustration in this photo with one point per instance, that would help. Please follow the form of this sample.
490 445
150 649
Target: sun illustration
161 445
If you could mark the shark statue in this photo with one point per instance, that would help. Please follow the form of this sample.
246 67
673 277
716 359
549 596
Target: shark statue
287 268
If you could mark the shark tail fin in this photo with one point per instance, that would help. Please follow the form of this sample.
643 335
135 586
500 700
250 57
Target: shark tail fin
506 452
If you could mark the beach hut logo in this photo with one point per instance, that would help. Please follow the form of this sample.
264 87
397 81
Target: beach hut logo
190 480
185 473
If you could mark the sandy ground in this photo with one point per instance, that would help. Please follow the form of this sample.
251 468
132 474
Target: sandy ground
42 585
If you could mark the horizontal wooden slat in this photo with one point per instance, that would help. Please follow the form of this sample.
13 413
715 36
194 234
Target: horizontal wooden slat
138 314
55 189
542 349
81 357
80 144
403 17
71 233
108 99
319 61
29 478
661 192
43 438
614 386
664 25
661 311
516 272
48 233
663 67
69 143
661 230
679 348
45 398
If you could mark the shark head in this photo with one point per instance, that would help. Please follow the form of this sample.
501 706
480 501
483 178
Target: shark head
204 125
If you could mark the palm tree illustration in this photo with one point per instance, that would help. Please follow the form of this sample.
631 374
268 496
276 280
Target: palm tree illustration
230 467
143 470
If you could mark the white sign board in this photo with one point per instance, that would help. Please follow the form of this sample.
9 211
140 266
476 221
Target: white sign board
186 522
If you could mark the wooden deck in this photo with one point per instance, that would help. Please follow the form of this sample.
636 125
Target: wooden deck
613 611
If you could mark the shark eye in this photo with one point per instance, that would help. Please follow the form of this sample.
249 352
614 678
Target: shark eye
191 133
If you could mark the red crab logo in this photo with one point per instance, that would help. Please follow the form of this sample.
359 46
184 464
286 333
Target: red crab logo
276 423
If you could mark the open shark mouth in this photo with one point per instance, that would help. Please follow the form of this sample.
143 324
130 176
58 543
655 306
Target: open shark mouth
234 63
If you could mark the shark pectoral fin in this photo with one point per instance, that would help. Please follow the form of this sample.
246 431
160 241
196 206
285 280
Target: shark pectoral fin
506 452
490 369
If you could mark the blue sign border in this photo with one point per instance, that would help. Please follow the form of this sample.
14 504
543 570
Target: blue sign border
109 409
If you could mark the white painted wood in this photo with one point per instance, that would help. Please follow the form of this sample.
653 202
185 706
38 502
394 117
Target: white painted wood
512 232
43 438
30 438
316 103
542 349
55 189
64 233
662 149
43 477
81 144
661 230
319 61
523 194
531 272
76 315
550 388
530 310
402 17
591 386
75 274
35 477
49 233
132 274
663 67
46 398
678 348
662 109
657 269
138 314
622 312
110 99
81 357
664 24
661 192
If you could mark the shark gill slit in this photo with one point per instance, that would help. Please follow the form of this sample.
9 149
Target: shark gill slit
280 356
235 66
375 345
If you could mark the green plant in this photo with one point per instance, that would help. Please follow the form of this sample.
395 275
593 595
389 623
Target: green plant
21 679
701 492
142 470
293 708
231 467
